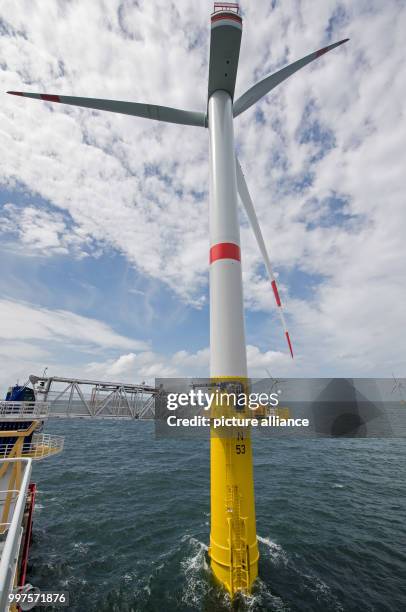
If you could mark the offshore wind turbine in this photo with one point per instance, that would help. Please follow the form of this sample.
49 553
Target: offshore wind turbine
233 541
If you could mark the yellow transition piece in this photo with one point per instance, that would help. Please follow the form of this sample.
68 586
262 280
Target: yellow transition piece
233 540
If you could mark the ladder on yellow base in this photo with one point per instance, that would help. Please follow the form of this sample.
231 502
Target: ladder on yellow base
239 566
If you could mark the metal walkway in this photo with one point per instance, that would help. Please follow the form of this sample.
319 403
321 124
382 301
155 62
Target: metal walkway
80 398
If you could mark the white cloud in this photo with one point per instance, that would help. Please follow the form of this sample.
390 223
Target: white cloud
32 337
21 322
43 232
22 351
100 167
148 365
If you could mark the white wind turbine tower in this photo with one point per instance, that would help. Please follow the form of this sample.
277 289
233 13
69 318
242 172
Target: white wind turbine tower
234 564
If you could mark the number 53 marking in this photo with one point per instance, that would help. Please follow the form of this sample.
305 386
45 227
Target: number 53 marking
240 449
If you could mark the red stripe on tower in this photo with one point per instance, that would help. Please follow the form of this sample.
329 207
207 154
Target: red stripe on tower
290 345
50 98
15 93
276 293
225 250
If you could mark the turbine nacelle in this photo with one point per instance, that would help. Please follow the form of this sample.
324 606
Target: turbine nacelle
225 41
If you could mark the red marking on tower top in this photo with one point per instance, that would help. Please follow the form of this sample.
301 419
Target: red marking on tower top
225 250
15 93
226 10
228 15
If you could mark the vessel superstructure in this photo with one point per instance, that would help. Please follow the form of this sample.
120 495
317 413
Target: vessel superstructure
22 442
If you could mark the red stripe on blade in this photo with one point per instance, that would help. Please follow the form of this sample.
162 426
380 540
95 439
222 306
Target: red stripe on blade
15 93
321 51
50 98
225 250
276 293
290 345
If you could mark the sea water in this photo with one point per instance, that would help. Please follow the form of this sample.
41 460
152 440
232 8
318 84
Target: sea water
122 522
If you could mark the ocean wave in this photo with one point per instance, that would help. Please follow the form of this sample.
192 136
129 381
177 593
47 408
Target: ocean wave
146 550
263 599
308 580
276 552
195 569
81 547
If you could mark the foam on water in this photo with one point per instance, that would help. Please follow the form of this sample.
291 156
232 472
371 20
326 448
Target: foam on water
195 572
322 592
276 552
263 599
309 581
81 547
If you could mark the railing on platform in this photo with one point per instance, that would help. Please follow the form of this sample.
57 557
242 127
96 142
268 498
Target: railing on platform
41 446
17 410
82 398
220 7
14 530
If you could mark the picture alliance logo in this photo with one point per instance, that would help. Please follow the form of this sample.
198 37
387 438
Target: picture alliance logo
207 400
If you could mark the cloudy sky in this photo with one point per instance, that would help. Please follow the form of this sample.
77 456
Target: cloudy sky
104 218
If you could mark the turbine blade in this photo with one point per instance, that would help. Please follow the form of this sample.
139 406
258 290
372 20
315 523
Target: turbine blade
251 214
257 91
148 111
